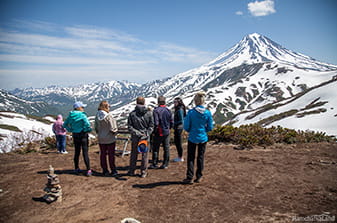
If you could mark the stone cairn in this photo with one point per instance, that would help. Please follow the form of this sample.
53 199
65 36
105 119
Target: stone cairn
53 188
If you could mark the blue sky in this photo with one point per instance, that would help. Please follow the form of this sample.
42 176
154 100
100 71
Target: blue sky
71 42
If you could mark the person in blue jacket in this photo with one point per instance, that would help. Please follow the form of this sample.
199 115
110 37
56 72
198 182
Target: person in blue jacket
78 123
197 123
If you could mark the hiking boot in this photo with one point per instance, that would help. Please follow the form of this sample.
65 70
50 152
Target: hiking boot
153 167
163 167
197 180
187 181
105 173
114 173
89 173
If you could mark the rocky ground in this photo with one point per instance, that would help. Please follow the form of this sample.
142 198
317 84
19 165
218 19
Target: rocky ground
281 183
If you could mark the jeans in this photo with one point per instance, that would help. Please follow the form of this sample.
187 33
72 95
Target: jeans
191 147
81 141
157 141
61 143
178 141
107 149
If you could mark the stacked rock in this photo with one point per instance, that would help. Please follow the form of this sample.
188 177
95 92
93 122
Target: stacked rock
53 188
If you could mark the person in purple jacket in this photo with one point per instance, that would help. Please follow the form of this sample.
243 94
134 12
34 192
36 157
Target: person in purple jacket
162 123
60 134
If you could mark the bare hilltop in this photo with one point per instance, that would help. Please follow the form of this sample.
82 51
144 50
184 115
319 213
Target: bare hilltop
279 183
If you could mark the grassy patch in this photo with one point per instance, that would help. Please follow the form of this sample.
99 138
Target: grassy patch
10 127
40 119
254 134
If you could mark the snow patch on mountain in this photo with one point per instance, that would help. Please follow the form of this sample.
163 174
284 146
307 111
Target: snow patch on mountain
16 129
316 111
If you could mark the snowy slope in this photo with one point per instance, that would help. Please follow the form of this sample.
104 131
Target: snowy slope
255 48
316 111
253 73
116 92
27 129
9 102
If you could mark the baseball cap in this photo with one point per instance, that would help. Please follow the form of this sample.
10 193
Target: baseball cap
79 104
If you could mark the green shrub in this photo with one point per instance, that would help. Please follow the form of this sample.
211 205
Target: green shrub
254 134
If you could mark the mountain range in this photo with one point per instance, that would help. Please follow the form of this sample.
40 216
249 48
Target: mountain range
253 75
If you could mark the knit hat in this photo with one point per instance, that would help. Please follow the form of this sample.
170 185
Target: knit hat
79 104
142 146
199 98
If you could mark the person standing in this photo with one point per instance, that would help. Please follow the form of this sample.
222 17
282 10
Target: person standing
178 125
140 125
106 129
197 123
78 123
60 134
163 123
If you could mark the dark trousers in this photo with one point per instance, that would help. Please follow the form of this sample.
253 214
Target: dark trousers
178 141
134 157
81 141
191 150
107 150
157 141
61 143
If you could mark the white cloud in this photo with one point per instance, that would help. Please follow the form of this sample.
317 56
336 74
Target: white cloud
262 8
35 25
23 50
239 13
68 60
100 33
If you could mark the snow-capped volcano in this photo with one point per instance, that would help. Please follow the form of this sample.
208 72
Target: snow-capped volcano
253 73
255 48
245 59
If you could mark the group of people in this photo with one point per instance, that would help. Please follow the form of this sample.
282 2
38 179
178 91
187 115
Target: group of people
147 127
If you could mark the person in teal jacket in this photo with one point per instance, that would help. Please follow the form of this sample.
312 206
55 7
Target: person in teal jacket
197 123
78 123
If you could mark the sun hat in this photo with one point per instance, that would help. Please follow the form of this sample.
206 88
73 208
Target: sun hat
142 146
79 104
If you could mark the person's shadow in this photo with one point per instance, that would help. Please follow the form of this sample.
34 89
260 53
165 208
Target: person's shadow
82 173
157 184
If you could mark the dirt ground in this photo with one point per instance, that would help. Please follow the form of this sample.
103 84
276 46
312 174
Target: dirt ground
281 183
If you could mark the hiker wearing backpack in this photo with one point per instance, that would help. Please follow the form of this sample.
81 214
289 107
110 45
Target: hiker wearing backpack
140 125
197 123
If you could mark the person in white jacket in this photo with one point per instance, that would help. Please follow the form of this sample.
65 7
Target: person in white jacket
106 129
